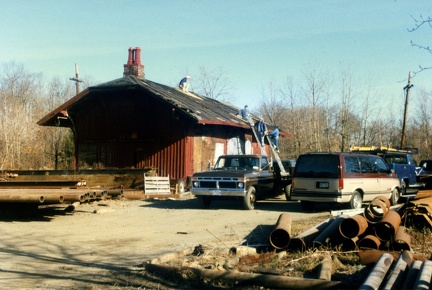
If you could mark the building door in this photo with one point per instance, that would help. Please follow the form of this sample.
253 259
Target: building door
235 146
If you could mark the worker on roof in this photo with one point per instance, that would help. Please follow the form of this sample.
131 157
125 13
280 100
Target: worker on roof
245 113
183 85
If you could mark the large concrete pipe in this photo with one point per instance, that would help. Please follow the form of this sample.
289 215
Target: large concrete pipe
281 235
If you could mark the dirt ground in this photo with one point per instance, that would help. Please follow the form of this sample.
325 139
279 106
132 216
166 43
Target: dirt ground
104 244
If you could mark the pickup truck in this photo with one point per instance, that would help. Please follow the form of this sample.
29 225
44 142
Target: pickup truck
402 162
425 173
243 177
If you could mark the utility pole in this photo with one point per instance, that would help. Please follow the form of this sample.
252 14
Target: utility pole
406 88
76 79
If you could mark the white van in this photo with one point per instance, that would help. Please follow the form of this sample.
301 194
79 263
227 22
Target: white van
349 178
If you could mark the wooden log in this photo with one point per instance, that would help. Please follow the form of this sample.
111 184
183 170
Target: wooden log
326 268
171 256
267 281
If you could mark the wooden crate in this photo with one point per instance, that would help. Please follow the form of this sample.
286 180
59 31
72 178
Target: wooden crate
157 185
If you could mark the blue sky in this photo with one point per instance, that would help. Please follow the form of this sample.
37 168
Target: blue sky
253 42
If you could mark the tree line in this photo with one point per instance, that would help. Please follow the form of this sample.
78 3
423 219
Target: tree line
322 114
331 115
25 98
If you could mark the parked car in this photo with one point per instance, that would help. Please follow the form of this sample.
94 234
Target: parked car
247 178
402 161
345 178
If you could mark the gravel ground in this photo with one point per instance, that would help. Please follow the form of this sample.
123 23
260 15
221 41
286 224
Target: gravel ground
103 245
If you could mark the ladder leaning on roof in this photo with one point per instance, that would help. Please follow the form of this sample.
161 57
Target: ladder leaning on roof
276 156
252 124
262 146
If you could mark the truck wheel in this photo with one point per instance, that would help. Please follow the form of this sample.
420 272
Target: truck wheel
395 196
287 191
404 187
249 199
307 205
356 201
205 201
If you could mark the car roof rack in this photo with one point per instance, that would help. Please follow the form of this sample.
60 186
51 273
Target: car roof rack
376 149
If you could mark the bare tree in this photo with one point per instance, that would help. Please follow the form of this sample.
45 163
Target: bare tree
213 84
420 129
19 90
346 122
58 141
418 24
315 92
272 105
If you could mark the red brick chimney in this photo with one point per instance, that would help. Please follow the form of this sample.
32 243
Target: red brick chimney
134 66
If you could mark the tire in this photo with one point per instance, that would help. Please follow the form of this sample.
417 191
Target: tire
249 199
403 190
356 201
205 201
307 205
287 191
394 198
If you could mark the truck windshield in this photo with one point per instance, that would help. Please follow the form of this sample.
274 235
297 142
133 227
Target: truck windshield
236 162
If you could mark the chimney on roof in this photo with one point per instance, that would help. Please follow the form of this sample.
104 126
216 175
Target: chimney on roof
134 66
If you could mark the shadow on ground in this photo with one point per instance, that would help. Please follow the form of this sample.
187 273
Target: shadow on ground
29 212
278 204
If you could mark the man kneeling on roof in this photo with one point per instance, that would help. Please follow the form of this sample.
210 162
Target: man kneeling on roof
183 85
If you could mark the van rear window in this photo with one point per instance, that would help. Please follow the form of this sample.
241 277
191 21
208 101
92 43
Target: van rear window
324 166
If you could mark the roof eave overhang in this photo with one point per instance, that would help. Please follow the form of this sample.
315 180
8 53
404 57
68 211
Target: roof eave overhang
223 123
53 115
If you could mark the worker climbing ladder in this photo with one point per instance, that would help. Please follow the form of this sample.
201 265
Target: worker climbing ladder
252 124
262 146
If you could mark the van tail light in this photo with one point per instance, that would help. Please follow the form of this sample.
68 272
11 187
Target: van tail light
341 184
292 183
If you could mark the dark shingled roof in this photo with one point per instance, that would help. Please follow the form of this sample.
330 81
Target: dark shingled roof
202 109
